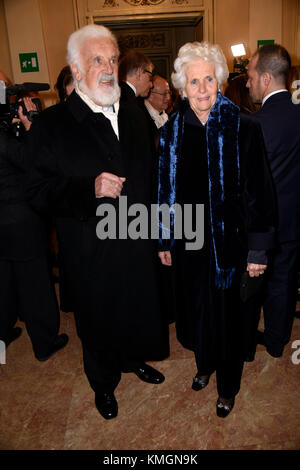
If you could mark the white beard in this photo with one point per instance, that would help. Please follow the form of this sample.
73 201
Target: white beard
100 96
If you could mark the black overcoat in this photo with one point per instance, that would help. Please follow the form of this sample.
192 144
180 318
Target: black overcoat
211 321
113 282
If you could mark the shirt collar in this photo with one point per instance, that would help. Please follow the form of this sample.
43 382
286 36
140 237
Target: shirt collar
271 94
159 118
132 87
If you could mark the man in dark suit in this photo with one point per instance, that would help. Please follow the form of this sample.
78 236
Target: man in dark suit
26 287
280 122
91 150
135 75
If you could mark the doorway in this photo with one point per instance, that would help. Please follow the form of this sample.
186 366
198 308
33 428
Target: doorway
160 41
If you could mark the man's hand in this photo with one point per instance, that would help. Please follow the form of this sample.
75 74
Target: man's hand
30 106
165 257
256 269
108 185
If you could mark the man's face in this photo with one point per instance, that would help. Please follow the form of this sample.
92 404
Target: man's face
255 82
145 81
159 95
98 74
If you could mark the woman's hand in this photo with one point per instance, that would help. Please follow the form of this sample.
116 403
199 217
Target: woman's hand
256 270
165 257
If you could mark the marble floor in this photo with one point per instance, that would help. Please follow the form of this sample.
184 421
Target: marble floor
50 406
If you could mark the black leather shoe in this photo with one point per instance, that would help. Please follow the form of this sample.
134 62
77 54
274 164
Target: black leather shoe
149 374
13 335
200 381
106 404
59 343
224 406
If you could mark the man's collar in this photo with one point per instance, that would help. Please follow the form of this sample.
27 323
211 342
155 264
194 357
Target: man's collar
132 87
159 118
151 109
271 94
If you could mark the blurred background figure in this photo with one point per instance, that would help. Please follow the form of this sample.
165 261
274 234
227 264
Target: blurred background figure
155 105
174 100
237 92
64 87
4 78
26 288
64 84
294 83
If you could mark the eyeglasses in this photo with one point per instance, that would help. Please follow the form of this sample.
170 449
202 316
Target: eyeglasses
167 93
150 73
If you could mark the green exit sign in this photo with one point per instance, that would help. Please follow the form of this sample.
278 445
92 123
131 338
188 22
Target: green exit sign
264 42
29 62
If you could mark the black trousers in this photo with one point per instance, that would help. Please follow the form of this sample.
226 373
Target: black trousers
228 375
27 291
104 368
280 298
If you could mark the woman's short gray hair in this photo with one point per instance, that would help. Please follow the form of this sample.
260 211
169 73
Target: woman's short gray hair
191 52
79 37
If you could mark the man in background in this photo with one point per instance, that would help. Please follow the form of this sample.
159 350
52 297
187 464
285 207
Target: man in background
135 75
155 106
280 122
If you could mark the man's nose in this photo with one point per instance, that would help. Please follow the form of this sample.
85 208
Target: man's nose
108 67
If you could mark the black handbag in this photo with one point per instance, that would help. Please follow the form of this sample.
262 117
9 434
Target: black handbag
250 286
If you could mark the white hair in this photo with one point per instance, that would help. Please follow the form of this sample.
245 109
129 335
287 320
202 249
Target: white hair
79 37
193 51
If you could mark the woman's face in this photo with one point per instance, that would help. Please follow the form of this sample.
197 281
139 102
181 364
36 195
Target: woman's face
201 87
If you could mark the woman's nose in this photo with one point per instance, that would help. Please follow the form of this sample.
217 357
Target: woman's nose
202 86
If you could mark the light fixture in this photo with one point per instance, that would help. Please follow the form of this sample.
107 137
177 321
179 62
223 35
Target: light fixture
239 64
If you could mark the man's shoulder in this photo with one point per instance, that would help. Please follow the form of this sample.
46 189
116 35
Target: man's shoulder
127 93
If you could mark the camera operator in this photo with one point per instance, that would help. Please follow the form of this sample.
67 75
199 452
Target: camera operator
26 287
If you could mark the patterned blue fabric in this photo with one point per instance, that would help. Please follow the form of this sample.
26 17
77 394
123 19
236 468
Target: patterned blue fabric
223 174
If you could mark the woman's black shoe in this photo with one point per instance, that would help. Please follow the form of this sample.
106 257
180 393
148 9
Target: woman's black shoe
200 381
224 406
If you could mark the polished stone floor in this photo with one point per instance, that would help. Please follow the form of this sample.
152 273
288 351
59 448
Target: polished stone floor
50 406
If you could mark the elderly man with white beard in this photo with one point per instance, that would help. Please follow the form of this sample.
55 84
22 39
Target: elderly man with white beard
89 151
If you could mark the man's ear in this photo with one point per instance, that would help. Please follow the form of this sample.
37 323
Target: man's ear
76 72
267 77
139 73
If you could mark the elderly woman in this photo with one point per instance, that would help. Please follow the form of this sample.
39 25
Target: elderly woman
211 154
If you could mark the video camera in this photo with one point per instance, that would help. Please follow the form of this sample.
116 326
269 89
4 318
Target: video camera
10 110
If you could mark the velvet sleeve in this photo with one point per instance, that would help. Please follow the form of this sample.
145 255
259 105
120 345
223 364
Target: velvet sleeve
169 148
257 187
